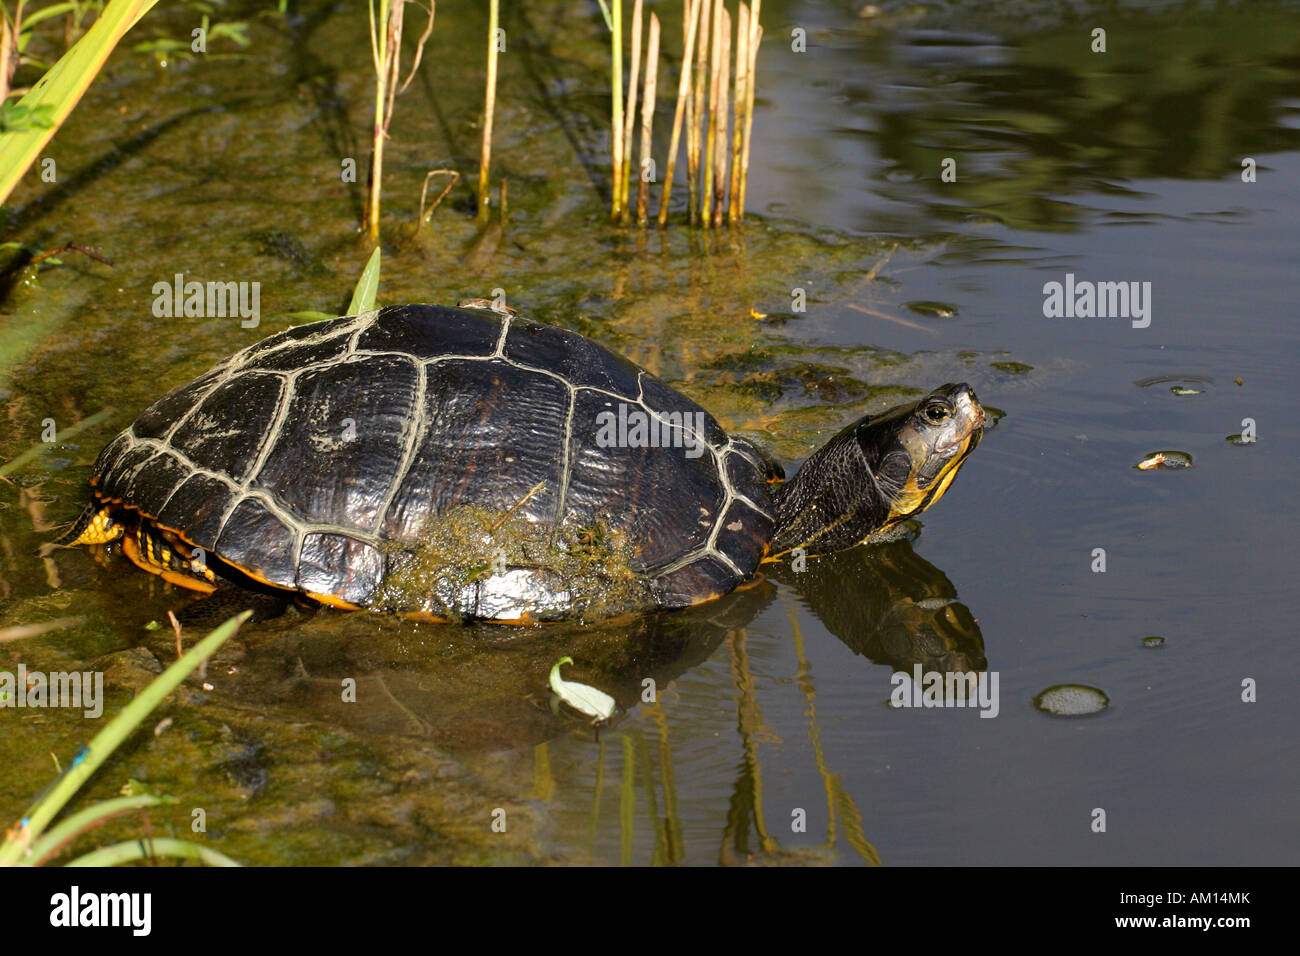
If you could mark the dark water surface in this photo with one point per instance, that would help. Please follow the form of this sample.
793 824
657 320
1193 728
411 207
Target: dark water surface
1123 166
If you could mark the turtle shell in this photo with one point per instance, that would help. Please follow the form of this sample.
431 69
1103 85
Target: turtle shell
345 457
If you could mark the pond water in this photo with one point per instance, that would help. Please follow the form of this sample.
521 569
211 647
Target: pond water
770 739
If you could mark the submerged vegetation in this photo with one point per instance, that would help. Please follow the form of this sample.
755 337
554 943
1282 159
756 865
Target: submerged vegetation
28 124
714 101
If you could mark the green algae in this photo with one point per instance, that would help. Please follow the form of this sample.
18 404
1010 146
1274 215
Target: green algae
585 571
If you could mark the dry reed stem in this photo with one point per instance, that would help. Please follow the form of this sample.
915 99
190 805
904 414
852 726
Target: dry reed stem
616 106
385 49
710 139
694 140
424 190
419 46
724 109
691 20
629 112
738 124
647 118
755 37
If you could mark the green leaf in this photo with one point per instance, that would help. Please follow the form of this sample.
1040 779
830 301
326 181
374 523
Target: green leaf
363 298
59 9
161 45
238 32
16 118
581 697
148 849
67 830
63 86
89 758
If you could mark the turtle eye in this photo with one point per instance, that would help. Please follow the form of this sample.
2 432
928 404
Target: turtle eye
935 413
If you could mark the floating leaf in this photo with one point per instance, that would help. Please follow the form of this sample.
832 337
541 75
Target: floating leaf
1165 459
1071 700
934 310
581 697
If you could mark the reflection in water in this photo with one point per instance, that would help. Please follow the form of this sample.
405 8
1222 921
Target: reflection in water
900 609
479 690
474 688
746 805
485 687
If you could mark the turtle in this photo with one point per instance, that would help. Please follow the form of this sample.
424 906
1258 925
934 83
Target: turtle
472 464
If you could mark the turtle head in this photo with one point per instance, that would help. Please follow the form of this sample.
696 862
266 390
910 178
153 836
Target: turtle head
878 471
914 451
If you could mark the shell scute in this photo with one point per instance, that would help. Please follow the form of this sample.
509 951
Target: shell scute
427 332
341 440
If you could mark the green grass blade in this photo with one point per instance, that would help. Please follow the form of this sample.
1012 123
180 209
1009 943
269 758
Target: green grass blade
82 820
107 740
58 10
144 849
363 298
31 454
604 11
63 86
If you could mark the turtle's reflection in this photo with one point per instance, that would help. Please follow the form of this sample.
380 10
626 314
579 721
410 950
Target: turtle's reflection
473 687
486 686
889 604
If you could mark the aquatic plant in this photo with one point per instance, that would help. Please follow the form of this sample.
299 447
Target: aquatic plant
50 101
386 53
363 296
714 102
31 841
